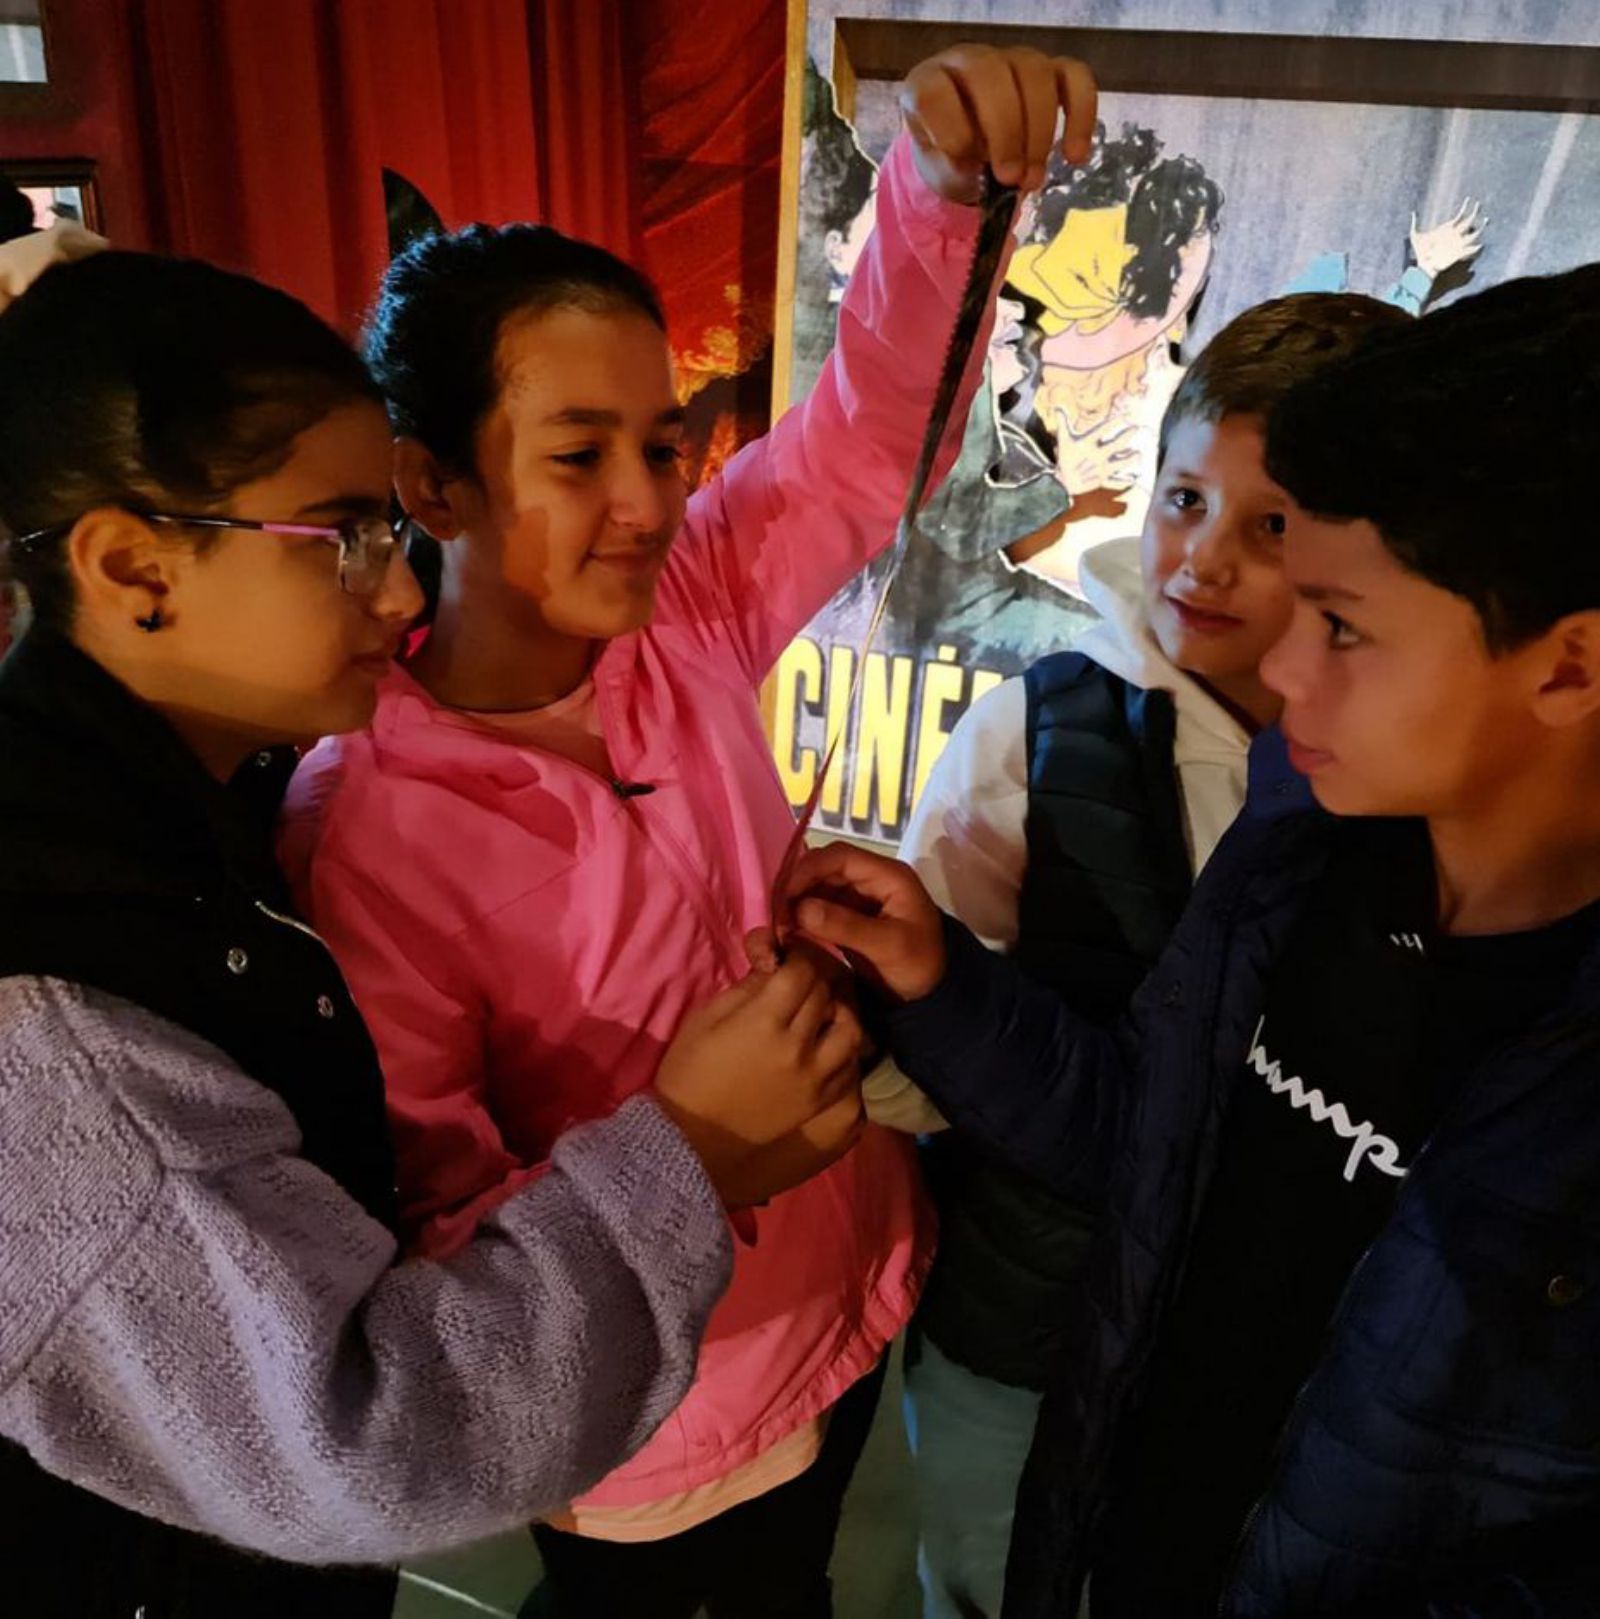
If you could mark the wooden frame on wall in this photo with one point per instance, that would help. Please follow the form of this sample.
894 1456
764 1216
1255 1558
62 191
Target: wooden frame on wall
76 174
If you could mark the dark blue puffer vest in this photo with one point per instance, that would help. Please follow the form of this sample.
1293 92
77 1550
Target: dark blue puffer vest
1107 877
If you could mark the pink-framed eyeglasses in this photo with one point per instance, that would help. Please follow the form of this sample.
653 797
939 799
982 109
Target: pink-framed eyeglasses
366 544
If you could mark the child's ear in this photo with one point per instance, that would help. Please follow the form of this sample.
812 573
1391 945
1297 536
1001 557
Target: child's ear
121 572
1569 655
425 491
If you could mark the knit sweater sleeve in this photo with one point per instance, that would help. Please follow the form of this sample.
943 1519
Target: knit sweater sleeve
200 1325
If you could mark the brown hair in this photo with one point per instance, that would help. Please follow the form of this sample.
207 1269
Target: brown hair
1259 356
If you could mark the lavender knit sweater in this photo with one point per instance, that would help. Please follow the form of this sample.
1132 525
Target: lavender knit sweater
200 1325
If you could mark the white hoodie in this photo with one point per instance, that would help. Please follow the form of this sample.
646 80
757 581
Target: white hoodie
968 834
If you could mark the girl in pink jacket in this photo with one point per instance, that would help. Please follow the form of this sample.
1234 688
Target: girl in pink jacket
548 846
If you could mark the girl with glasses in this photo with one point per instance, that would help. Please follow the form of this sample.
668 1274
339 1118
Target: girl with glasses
218 1387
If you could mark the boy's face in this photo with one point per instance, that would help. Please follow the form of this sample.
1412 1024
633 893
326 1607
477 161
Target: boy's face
1393 704
1212 554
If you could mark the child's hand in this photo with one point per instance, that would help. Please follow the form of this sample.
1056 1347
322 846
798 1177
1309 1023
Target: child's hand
875 910
974 105
765 1079
802 1153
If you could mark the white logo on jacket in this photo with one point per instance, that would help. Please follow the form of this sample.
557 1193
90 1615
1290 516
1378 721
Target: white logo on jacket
1368 1143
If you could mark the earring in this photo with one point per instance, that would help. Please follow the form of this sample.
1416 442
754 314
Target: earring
151 622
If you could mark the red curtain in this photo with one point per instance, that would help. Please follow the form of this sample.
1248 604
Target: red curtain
710 140
654 128
254 132
267 128
585 76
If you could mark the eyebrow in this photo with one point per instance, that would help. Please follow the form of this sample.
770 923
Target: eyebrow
1328 593
1272 494
337 506
584 416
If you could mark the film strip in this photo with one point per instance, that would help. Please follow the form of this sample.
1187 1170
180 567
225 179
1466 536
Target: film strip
998 205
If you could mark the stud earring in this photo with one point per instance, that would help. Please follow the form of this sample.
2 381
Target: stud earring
151 622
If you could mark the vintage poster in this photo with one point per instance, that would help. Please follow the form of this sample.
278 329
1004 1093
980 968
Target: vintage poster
1195 203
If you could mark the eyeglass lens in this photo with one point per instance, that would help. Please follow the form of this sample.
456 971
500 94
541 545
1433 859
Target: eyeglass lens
366 546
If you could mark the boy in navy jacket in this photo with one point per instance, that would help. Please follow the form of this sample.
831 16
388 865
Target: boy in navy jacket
1348 1138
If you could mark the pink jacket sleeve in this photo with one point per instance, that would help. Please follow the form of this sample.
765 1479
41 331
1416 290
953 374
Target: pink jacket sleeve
799 513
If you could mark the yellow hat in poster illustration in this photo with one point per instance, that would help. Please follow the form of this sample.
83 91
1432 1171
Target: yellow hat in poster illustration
1078 274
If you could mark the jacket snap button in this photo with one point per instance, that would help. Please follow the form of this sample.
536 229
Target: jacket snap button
1564 1290
325 1005
238 961
1173 995
263 759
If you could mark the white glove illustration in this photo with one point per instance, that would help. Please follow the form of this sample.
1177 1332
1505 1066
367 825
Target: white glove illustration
1456 240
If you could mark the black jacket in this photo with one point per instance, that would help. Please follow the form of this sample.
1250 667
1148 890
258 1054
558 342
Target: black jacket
1106 880
126 868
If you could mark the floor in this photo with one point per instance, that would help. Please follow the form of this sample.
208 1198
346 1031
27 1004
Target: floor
874 1565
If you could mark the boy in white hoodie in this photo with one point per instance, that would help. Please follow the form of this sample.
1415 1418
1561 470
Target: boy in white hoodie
1065 823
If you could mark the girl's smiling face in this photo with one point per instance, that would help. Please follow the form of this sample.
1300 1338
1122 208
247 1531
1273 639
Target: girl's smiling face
579 489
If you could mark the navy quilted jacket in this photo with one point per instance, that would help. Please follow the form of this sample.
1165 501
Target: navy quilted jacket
1443 1459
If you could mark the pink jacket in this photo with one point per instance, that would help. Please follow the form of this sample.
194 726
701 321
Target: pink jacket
524 943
